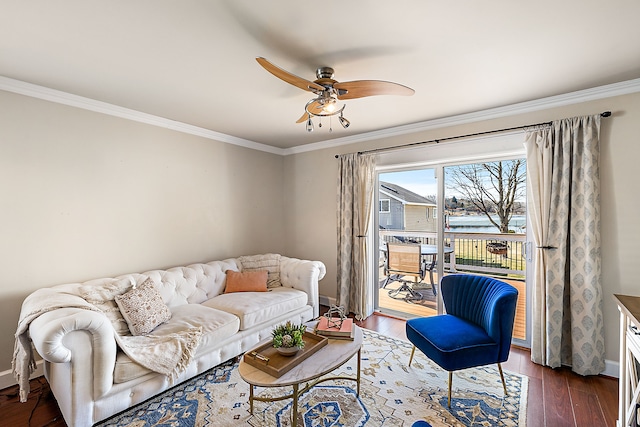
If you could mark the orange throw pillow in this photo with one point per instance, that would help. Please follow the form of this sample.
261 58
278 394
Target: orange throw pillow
248 281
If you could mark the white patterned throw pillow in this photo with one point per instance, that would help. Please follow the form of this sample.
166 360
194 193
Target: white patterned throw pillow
143 308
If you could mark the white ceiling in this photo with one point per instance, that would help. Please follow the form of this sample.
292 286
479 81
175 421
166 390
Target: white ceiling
194 61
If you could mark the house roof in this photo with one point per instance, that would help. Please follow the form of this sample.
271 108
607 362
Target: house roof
403 195
190 66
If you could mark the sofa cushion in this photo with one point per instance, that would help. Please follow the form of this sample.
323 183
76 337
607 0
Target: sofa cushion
269 262
247 281
216 327
126 369
253 308
143 308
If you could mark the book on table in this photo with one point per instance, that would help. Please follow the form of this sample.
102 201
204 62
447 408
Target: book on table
334 329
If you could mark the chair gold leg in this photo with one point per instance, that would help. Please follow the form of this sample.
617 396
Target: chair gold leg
504 384
413 350
450 381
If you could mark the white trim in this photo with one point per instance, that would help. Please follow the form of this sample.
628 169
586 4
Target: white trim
392 196
326 301
388 205
403 201
41 92
607 91
52 95
428 205
7 380
611 368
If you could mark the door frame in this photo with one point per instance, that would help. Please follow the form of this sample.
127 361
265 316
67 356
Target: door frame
439 167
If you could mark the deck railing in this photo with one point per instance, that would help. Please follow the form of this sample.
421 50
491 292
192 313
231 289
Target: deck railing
487 253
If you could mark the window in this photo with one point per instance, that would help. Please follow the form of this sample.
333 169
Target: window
435 213
385 206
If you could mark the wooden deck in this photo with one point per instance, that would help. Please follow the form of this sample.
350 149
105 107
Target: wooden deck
427 307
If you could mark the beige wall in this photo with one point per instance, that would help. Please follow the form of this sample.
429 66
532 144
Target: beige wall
311 192
85 195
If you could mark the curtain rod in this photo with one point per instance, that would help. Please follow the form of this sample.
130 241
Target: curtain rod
412 144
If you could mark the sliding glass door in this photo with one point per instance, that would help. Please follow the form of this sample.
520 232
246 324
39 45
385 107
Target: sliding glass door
485 221
467 218
408 216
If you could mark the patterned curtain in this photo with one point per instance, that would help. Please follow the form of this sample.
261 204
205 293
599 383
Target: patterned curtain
356 182
563 179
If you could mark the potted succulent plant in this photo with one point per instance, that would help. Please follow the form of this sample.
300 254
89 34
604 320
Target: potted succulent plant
287 338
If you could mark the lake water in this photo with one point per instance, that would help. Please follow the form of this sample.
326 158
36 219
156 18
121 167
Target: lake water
481 224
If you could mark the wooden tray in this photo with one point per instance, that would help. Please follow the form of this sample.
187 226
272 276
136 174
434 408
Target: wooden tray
267 359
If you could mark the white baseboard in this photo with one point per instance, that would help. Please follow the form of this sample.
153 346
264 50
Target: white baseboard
324 300
611 369
7 380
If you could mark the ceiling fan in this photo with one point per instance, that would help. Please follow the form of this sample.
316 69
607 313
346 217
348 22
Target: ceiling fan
329 91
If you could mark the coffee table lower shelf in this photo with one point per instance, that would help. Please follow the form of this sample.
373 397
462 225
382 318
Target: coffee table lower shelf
311 371
297 392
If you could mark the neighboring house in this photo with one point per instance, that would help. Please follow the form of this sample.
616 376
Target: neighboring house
402 209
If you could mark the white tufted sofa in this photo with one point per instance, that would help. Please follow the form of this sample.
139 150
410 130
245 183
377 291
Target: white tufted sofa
92 379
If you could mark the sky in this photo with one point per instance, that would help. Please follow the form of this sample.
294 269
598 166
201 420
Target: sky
422 182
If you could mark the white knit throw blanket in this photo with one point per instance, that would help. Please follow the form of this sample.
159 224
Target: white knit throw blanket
166 354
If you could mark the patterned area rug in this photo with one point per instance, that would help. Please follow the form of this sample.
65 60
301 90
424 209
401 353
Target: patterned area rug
391 394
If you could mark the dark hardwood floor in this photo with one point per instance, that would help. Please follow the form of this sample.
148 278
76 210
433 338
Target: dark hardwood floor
557 397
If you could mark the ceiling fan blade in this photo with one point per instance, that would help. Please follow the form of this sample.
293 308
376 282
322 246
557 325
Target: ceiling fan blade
303 118
362 88
288 77
314 107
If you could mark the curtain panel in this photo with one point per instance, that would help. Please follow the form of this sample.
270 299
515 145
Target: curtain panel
356 182
563 178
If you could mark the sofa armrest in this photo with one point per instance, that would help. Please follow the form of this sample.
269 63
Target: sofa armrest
303 275
82 338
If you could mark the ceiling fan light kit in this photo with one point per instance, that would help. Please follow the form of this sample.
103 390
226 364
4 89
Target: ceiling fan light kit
329 91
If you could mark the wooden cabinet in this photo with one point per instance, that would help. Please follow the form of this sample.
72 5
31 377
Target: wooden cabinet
629 390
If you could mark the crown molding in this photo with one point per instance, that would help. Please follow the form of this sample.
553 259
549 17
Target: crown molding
60 97
600 92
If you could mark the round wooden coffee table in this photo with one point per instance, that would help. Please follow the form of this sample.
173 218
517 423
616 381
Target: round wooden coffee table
330 357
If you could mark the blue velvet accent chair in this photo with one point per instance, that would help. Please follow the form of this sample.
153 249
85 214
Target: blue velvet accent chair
476 329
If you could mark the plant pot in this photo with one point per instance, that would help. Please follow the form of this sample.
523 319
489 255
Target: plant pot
287 351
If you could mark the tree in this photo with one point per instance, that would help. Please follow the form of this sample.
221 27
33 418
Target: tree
493 187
